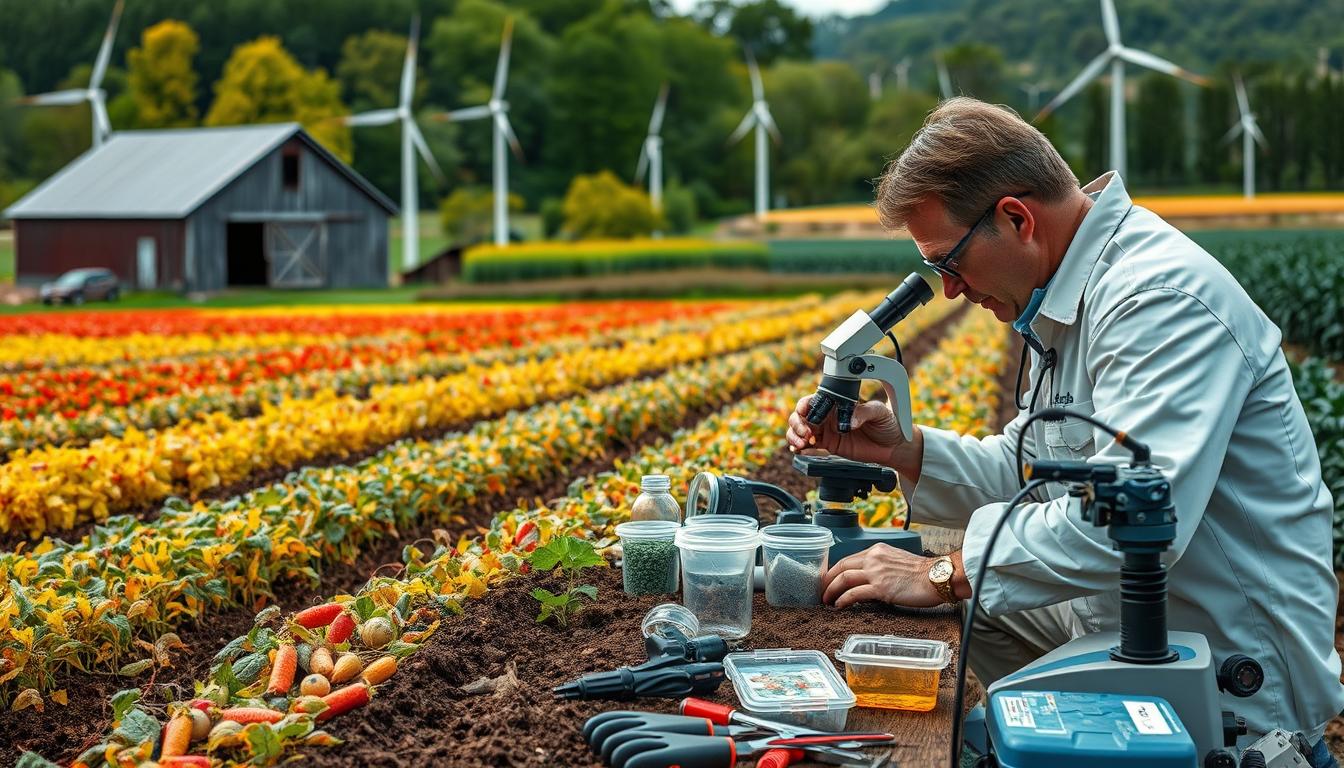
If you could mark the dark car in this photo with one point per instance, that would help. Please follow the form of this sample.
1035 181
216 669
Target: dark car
80 285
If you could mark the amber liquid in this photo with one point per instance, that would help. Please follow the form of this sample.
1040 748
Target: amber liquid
915 690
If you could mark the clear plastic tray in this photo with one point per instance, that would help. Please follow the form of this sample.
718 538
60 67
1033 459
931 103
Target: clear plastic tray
796 687
890 672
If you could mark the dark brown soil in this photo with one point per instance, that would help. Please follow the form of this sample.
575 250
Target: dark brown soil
423 717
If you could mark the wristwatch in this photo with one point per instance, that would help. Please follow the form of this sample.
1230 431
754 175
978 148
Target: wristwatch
940 576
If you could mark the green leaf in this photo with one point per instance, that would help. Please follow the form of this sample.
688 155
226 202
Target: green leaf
247 669
586 589
135 667
364 608
296 728
122 701
137 727
263 743
34 760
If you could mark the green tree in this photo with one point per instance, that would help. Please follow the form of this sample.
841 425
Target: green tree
467 215
1096 131
602 206
263 83
976 70
370 70
769 28
1159 123
1217 113
162 80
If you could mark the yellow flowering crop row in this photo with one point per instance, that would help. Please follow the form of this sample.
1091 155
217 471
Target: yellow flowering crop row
55 487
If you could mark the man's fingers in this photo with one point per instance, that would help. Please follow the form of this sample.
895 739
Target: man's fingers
843 583
859 594
851 562
804 405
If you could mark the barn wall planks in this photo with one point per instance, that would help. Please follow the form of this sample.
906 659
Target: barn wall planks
48 247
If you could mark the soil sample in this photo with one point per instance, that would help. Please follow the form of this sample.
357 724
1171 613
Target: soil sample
721 602
791 583
651 567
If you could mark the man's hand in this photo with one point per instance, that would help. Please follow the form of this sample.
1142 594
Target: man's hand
873 436
881 573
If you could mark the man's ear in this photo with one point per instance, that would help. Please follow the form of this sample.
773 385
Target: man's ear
1020 216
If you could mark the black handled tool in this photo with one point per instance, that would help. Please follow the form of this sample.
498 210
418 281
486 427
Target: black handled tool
653 749
599 728
673 681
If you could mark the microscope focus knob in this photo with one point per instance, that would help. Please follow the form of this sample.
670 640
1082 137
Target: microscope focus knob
1240 675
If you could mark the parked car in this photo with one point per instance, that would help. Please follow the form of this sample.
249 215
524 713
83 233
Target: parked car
80 285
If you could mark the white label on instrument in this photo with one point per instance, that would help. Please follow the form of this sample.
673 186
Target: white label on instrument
1016 713
1148 719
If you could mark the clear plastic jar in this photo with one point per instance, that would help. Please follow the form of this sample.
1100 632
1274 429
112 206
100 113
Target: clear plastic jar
717 569
650 564
796 558
655 502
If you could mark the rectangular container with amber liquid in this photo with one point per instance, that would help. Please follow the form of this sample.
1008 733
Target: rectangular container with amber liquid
889 672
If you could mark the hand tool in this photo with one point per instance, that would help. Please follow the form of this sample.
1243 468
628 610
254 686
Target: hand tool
677 666
780 758
839 744
600 727
723 714
651 749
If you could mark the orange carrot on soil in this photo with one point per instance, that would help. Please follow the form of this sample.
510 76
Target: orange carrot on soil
318 615
343 700
348 667
380 670
341 628
250 715
177 736
282 671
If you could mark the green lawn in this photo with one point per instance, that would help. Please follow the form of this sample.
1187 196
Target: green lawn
433 240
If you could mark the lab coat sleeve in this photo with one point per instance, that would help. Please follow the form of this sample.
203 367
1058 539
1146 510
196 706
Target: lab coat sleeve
1165 369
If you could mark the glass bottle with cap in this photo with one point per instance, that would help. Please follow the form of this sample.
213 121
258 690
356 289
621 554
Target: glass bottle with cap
655 501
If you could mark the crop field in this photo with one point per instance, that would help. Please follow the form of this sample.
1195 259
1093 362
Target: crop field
200 509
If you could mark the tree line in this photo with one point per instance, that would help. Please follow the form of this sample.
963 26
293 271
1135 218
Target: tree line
583 80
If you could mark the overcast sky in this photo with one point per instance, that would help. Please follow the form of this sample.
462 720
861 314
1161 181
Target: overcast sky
813 8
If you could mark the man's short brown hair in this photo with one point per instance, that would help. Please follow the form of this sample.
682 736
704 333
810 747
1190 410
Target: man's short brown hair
967 154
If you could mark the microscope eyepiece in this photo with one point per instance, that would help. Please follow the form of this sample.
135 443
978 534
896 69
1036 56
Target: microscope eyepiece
821 405
910 294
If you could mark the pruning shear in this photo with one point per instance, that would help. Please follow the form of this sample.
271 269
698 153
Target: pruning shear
654 749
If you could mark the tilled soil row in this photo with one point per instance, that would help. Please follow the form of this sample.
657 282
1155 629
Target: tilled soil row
61 733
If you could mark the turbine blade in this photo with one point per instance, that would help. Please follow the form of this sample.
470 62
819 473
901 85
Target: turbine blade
1089 73
376 117
656 122
422 146
746 125
1232 132
944 79
55 98
105 50
502 67
100 116
643 164
757 89
1110 22
768 121
1256 134
408 68
463 115
1243 103
502 121
1159 64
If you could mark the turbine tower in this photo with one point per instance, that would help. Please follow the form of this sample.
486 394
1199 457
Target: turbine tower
411 141
1033 91
94 94
944 77
1250 134
497 109
902 71
651 153
1115 55
758 117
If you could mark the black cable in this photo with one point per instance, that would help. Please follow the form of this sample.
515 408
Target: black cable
1141 452
897 345
969 622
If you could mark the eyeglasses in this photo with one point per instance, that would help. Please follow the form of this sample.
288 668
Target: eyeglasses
946 266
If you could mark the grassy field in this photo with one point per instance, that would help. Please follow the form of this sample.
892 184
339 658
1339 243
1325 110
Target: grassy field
433 240
6 256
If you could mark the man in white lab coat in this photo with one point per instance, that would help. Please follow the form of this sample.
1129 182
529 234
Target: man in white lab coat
1128 320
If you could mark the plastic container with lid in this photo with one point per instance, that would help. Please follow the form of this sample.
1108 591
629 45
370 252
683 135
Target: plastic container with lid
717 569
796 557
650 564
890 672
669 616
739 520
796 687
655 501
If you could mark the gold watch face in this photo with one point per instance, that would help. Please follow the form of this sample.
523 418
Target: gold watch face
941 570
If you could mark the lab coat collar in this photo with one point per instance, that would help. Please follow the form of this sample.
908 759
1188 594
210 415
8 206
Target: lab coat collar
1064 292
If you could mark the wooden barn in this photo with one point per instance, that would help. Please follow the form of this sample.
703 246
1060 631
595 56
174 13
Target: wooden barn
204 209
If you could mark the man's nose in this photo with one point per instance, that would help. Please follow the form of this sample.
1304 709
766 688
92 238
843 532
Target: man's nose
953 286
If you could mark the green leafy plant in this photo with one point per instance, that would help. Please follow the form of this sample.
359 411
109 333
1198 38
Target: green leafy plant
572 555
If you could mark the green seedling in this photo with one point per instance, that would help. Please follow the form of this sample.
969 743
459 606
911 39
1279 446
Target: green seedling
572 555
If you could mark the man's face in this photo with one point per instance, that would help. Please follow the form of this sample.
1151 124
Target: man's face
990 262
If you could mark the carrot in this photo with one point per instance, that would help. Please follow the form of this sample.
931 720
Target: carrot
318 615
343 700
282 671
380 670
341 628
347 668
185 761
250 715
177 736
320 663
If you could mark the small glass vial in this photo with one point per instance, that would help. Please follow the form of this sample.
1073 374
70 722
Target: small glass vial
655 501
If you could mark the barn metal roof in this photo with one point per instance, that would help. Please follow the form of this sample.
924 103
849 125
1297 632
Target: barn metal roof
164 174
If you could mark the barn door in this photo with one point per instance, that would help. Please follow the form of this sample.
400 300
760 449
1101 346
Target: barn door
297 252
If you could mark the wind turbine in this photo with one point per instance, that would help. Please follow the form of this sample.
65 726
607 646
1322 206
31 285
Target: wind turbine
651 154
497 109
944 77
411 141
1250 133
902 70
875 85
1033 91
758 117
1115 55
94 94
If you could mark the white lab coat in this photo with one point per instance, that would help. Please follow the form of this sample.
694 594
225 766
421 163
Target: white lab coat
1156 338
